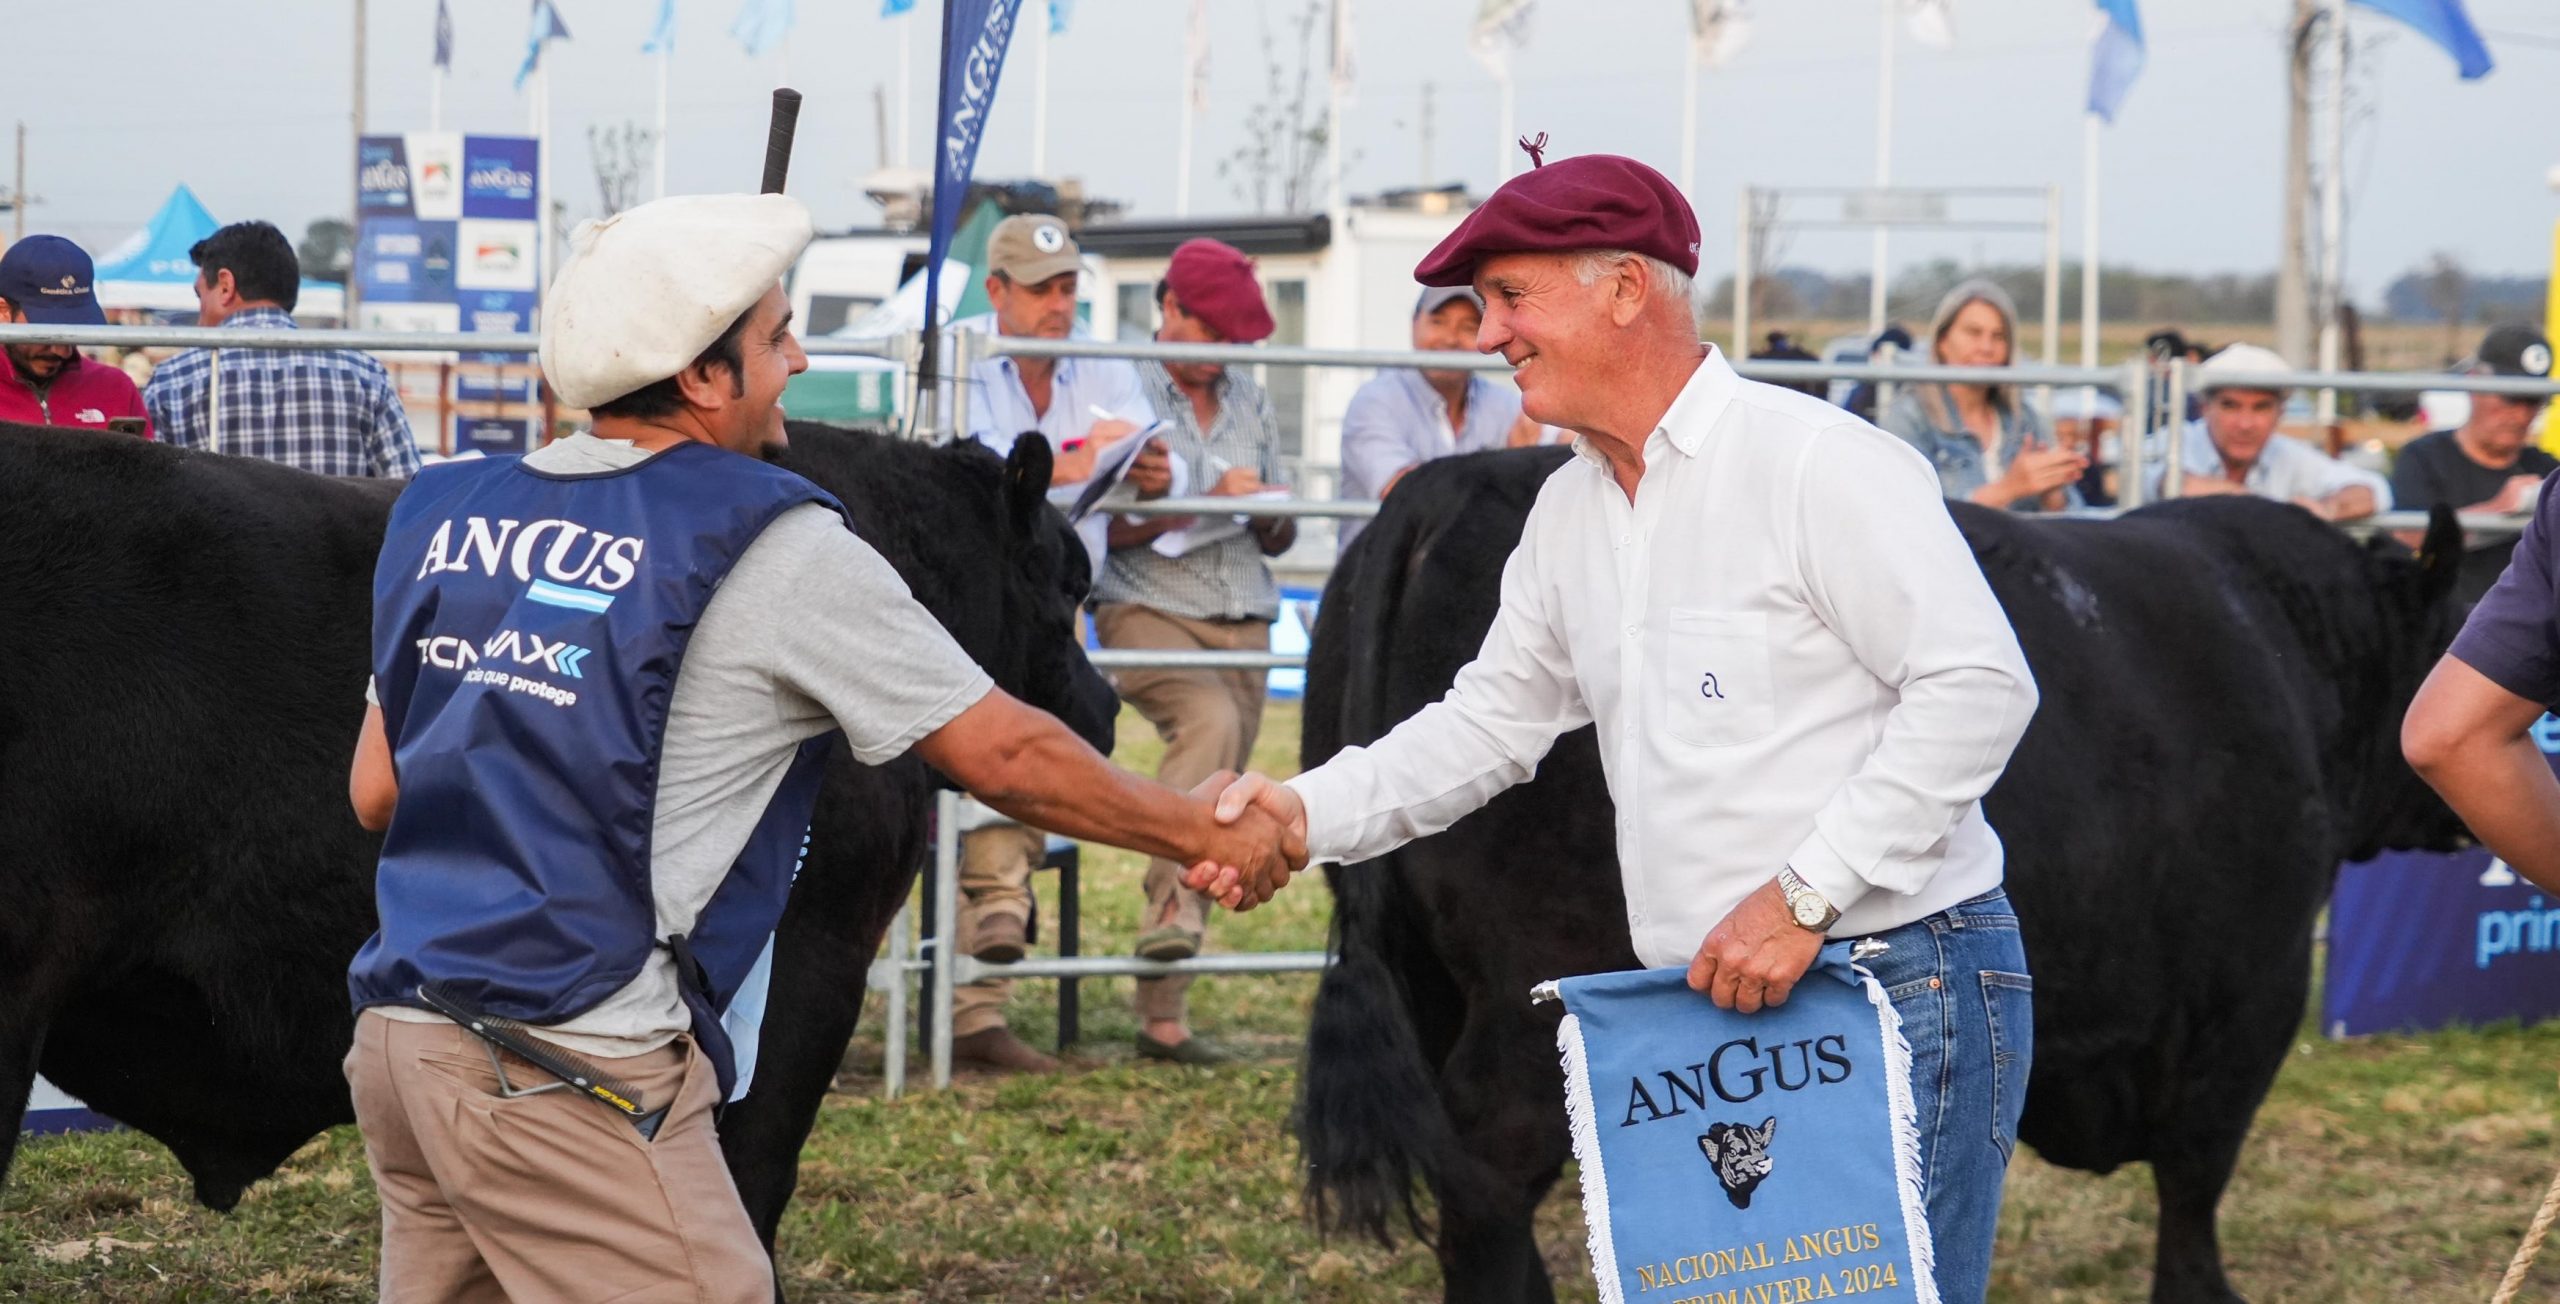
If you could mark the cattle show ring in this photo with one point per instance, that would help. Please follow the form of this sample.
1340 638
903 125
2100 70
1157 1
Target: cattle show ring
2131 878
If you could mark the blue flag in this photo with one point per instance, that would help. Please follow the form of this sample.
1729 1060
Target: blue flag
546 26
762 24
444 37
662 37
2118 59
1746 1156
1059 12
975 34
2445 23
893 8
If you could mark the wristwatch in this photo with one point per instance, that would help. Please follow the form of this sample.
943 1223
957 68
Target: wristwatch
1811 912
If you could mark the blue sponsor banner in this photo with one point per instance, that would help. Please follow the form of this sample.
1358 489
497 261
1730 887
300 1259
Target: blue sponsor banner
474 386
1724 1156
498 178
404 260
382 177
2420 940
499 312
975 34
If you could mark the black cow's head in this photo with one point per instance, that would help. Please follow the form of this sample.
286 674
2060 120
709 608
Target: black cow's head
1051 576
2394 808
1740 1153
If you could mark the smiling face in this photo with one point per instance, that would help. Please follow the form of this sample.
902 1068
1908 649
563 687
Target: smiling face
1558 334
744 412
1450 327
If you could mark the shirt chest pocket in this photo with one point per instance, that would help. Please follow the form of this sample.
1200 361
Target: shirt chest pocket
1713 677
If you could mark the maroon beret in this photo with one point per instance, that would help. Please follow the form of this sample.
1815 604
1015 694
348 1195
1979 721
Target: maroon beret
1215 283
1592 201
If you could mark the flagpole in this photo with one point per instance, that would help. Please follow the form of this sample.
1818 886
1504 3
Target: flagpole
1191 42
666 54
906 83
1502 141
2333 213
1039 95
542 167
1884 167
1689 124
1334 199
2089 135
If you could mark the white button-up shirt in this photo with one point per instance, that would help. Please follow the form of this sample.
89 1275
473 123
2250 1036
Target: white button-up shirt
1791 656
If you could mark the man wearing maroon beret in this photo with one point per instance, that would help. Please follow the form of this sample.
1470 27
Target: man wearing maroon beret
1801 682
1196 585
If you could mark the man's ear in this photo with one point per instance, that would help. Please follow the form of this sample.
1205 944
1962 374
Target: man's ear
1630 290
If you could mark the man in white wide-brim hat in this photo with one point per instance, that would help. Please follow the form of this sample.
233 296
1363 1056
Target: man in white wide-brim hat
606 676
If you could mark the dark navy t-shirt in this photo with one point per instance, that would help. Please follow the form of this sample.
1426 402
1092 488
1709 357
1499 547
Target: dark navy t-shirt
2513 636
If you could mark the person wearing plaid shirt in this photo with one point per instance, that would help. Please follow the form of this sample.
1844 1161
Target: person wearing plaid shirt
1169 585
329 411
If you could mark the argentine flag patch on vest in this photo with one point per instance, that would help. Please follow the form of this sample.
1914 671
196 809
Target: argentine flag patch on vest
1729 1158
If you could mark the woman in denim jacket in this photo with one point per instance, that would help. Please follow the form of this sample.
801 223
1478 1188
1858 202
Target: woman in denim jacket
1988 445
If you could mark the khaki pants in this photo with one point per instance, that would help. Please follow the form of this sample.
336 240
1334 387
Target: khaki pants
487 1199
1208 719
995 878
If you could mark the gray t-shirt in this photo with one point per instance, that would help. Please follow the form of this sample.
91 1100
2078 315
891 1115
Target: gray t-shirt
812 630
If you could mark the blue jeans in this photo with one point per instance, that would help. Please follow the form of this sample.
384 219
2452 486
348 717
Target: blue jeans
1959 980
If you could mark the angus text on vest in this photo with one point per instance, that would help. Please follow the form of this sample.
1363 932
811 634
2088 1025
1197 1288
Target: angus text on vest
576 555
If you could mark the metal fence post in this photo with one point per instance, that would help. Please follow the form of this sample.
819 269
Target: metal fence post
963 357
893 1067
2133 433
2173 426
946 919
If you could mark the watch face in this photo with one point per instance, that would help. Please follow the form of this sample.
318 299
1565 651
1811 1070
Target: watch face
1808 914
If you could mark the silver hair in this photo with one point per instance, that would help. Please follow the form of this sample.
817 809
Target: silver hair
1668 281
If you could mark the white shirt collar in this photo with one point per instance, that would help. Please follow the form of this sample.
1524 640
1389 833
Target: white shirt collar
1692 414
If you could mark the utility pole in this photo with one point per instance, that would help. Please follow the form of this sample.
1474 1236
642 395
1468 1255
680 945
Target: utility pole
18 194
2293 282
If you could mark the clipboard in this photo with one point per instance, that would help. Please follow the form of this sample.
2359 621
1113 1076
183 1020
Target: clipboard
1109 469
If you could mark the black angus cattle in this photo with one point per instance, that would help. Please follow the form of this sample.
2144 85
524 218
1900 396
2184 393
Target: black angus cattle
182 668
2222 685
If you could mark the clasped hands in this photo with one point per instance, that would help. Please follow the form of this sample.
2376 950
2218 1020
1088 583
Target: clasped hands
1269 826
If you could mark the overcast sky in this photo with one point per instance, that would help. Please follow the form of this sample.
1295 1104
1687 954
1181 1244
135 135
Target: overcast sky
248 102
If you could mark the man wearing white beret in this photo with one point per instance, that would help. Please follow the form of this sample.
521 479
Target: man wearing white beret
605 677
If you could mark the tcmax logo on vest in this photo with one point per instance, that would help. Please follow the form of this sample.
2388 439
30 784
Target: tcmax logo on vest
446 652
575 556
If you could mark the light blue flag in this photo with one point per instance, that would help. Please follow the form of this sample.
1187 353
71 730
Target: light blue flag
762 24
662 37
546 27
1770 1156
893 8
2445 23
2118 59
1059 12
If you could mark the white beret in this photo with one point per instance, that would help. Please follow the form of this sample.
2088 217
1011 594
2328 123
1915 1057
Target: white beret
644 292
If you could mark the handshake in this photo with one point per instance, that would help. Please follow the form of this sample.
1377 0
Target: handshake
1258 838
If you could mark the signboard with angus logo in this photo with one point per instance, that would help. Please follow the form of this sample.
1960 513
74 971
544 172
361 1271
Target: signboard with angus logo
382 177
2422 940
498 178
1745 1159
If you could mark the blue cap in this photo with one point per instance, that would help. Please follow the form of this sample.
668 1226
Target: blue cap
52 281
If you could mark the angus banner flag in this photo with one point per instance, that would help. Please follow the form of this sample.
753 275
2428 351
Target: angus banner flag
1745 1158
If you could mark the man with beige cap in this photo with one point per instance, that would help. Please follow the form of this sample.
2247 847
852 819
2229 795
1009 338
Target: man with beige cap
2234 448
606 675
1082 406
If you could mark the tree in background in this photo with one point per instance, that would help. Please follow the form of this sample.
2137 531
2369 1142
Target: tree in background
1282 148
328 250
622 155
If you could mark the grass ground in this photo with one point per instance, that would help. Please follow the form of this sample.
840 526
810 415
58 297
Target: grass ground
2394 1168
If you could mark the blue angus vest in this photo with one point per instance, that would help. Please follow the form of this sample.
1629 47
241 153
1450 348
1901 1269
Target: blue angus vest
527 631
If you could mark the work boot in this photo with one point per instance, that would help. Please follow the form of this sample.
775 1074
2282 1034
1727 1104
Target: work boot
1001 939
997 1050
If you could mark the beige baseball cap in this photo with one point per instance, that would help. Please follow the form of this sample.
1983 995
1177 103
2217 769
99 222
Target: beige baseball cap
1031 247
